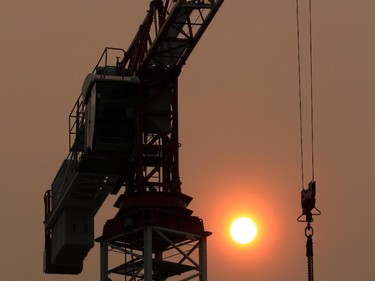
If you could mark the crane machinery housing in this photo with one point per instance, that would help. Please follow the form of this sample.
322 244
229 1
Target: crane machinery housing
123 136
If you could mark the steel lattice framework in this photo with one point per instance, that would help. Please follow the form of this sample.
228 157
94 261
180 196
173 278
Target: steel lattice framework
161 47
169 34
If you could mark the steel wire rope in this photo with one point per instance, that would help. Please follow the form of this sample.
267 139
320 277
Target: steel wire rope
300 97
311 97
300 94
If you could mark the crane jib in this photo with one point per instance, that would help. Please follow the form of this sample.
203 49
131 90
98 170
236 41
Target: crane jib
168 35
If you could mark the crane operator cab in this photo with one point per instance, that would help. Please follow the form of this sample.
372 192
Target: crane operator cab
106 132
110 122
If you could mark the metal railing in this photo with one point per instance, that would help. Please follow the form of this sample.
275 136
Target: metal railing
103 67
77 130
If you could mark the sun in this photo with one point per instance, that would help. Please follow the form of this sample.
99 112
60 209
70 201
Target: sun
243 230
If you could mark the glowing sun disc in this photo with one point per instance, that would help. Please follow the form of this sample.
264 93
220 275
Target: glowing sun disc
243 230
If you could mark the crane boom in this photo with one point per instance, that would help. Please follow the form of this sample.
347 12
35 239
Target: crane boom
124 130
169 34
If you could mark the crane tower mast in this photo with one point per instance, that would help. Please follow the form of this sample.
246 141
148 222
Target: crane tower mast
123 134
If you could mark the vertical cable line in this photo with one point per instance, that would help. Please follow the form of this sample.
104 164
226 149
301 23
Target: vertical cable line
311 96
300 96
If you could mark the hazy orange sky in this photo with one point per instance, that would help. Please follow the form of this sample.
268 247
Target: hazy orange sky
238 128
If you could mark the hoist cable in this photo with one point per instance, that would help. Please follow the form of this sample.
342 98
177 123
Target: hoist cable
300 96
311 96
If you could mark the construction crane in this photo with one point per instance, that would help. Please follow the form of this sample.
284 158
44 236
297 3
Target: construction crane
123 138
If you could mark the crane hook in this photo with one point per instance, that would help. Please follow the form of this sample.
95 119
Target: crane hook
308 204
